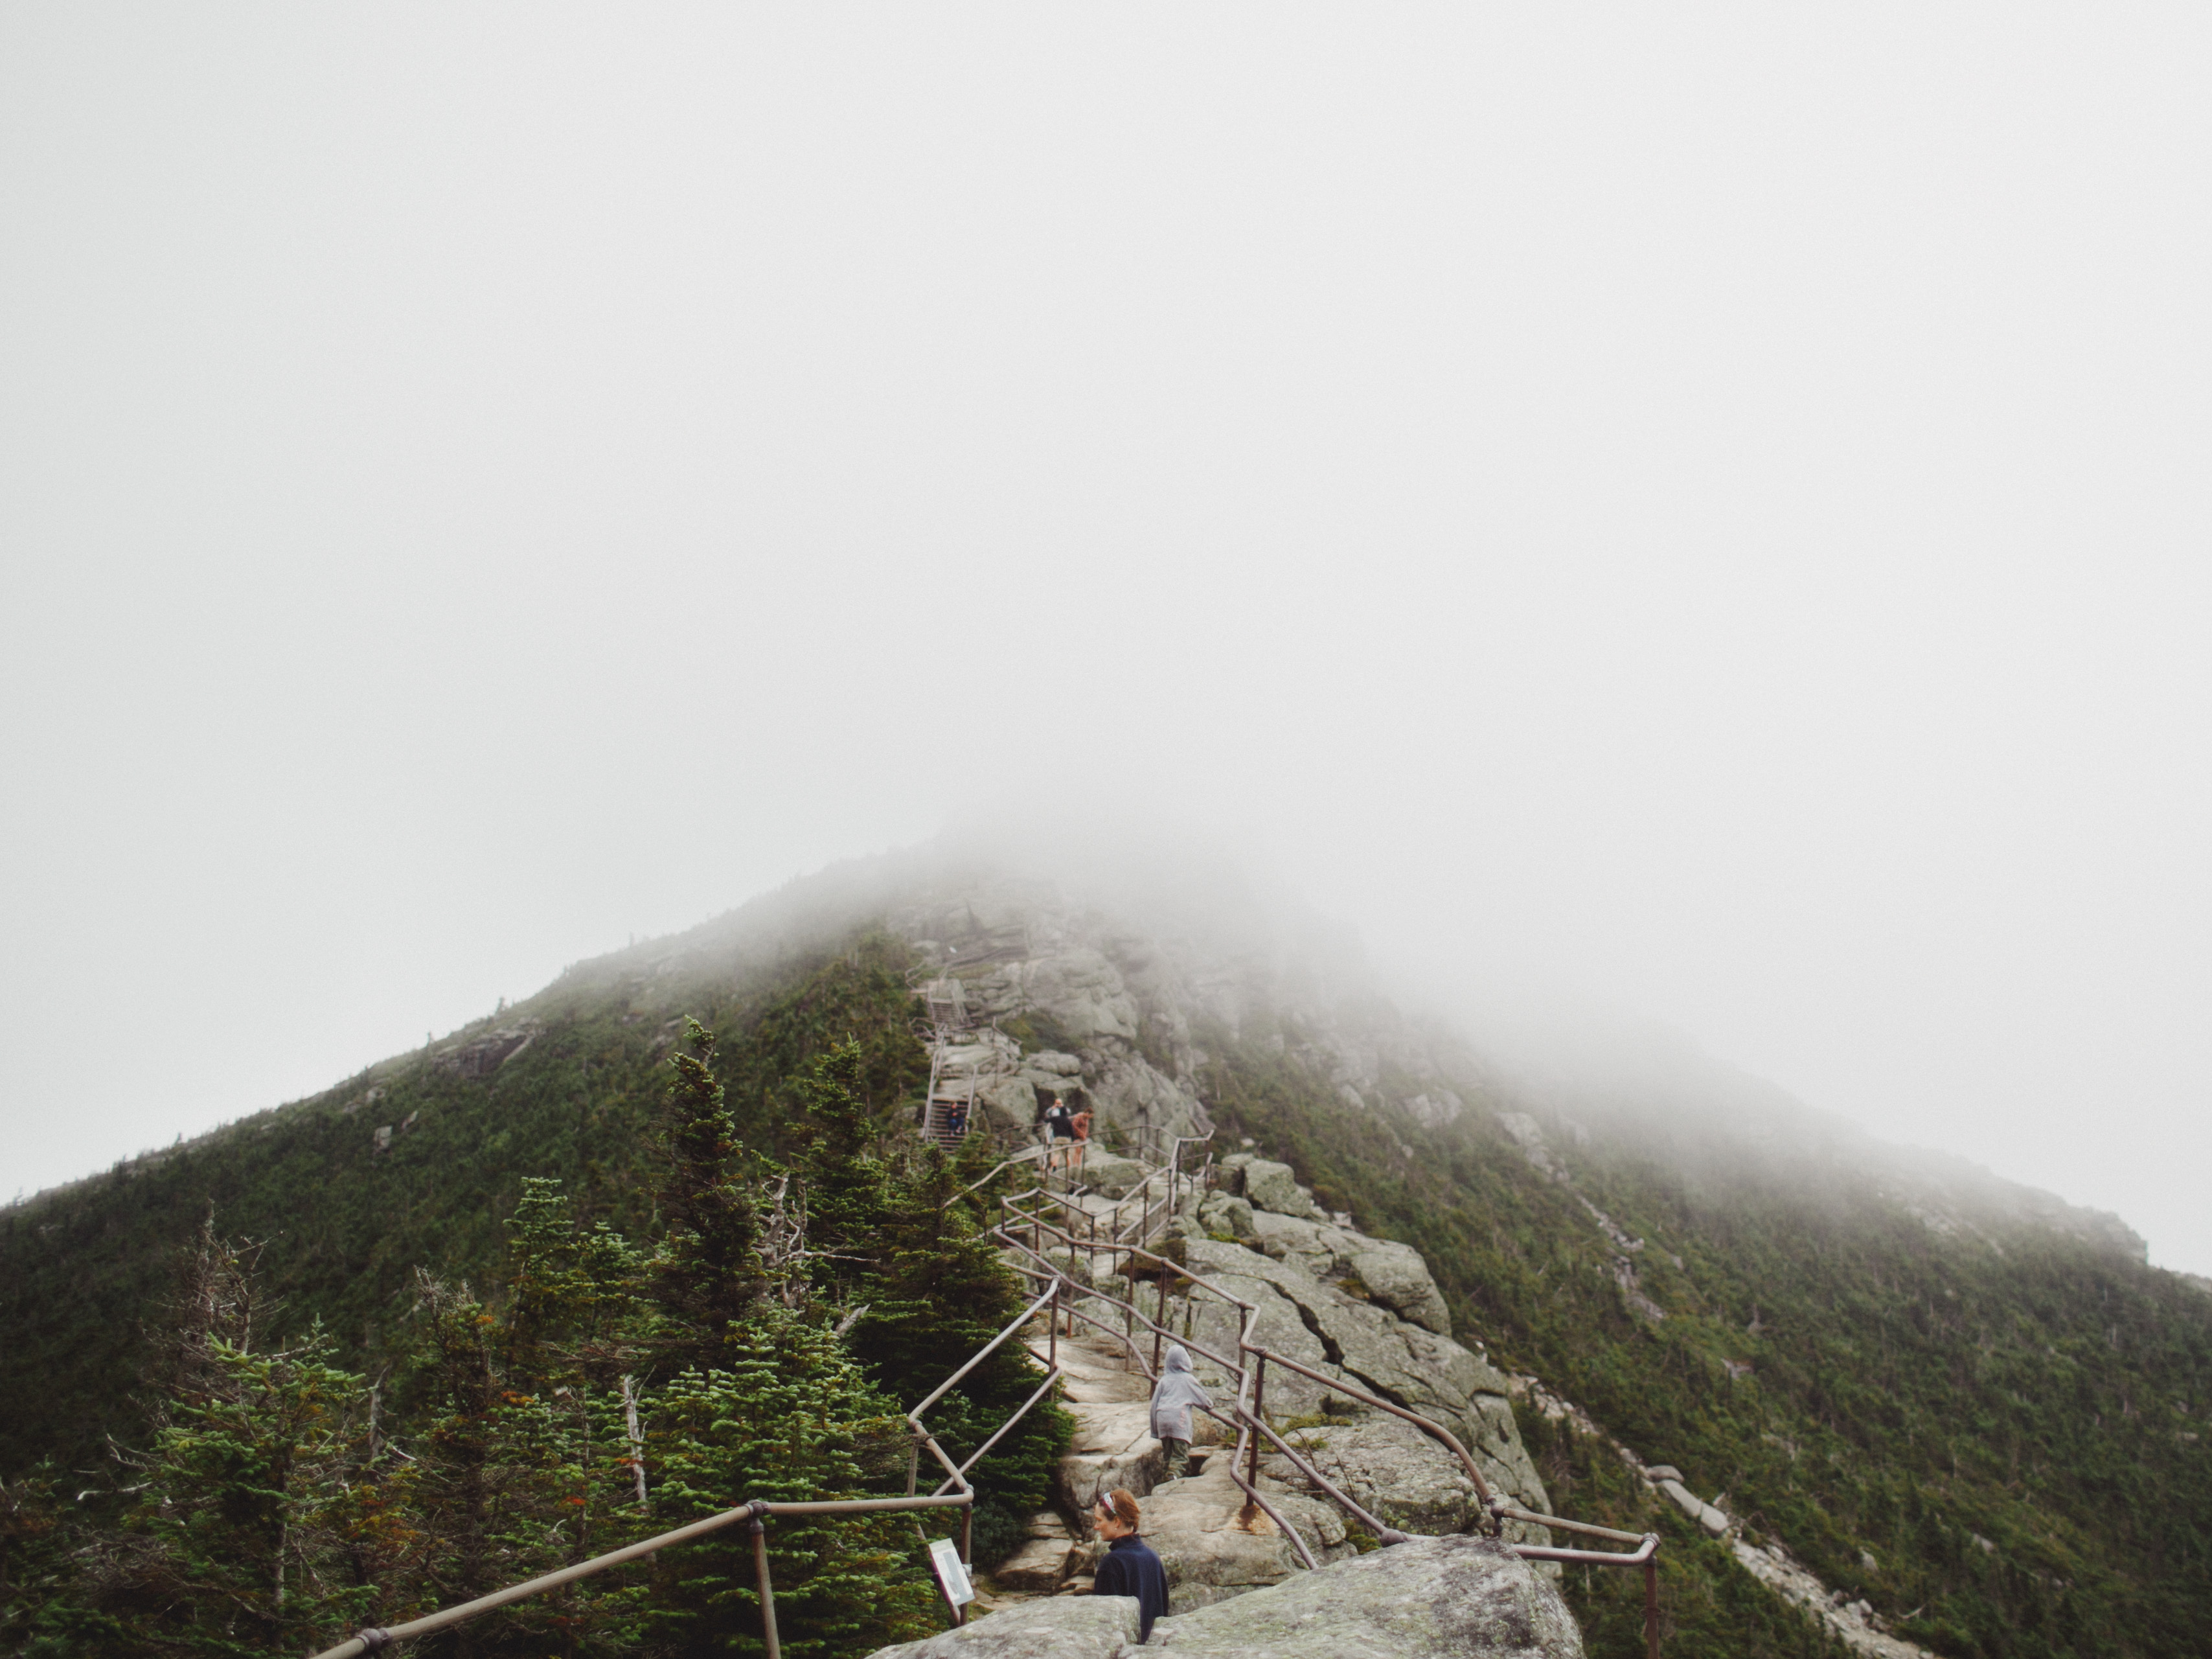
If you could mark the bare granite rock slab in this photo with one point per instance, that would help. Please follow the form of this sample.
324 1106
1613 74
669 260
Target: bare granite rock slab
1056 1627
1391 1469
1113 1446
1434 1598
1110 1174
1040 1564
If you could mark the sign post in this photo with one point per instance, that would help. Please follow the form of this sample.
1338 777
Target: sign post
951 1577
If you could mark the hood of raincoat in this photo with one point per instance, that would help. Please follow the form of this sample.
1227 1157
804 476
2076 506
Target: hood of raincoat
1174 1394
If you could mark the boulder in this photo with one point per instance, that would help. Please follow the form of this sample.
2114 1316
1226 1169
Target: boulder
1060 1628
1715 1523
1008 1105
1390 1468
1110 1173
1428 1599
1279 1327
1320 1249
1369 1345
1049 1069
1041 1563
1272 1186
1113 1446
1396 1276
1222 1213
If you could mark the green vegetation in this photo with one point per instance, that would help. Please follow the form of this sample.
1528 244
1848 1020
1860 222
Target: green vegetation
1991 1434
598 1391
346 1226
1911 1394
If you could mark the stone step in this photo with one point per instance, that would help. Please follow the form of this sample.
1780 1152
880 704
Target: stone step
1037 1567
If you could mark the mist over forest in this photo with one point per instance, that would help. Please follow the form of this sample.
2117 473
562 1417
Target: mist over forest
1584 631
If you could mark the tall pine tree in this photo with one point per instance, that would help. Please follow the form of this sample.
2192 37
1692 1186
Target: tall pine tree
707 1275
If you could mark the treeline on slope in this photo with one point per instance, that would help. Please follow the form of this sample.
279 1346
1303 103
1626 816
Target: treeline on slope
1997 1447
345 1226
602 1392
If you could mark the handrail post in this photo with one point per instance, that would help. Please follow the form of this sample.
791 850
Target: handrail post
1259 1412
1651 1608
1157 1324
767 1590
1052 1326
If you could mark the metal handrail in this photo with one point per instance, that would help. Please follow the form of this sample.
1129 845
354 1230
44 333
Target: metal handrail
1514 1512
1250 1488
1381 1529
375 1638
1251 1493
1250 1418
1028 1155
1435 1430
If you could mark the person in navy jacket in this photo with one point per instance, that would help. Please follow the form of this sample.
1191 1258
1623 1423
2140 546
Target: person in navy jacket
1129 1567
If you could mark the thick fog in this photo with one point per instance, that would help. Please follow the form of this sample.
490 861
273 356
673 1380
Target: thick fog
1696 514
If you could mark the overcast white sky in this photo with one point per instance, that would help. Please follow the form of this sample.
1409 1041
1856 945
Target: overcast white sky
1706 507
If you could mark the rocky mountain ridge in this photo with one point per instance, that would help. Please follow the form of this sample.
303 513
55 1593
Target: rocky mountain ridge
1969 1409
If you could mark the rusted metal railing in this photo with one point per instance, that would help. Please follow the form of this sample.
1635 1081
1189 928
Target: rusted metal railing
1250 1420
1027 1155
755 1513
1256 1500
1061 1298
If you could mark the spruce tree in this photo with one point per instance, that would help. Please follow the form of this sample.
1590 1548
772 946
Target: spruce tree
927 1290
236 1541
708 1275
523 1459
791 1417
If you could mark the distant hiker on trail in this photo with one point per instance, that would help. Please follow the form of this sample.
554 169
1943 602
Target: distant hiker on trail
1079 1125
1173 1396
1059 1126
1129 1567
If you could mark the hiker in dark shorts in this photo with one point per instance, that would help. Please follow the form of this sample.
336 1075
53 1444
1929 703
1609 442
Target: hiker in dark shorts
1060 1125
1128 1567
1079 1127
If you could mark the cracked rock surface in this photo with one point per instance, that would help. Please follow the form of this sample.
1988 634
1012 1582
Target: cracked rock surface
1428 1599
1061 1627
1362 1309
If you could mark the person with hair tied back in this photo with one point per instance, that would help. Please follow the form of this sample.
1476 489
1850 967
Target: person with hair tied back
1129 1567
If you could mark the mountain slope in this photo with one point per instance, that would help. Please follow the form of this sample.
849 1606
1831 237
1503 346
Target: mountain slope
1974 1407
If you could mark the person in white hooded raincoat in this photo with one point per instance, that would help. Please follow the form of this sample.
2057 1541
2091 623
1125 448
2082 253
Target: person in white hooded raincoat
1173 1396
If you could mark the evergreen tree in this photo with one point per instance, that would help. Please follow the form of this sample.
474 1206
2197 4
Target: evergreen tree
927 1290
235 1542
39 1613
707 1275
526 1458
790 1418
846 1188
